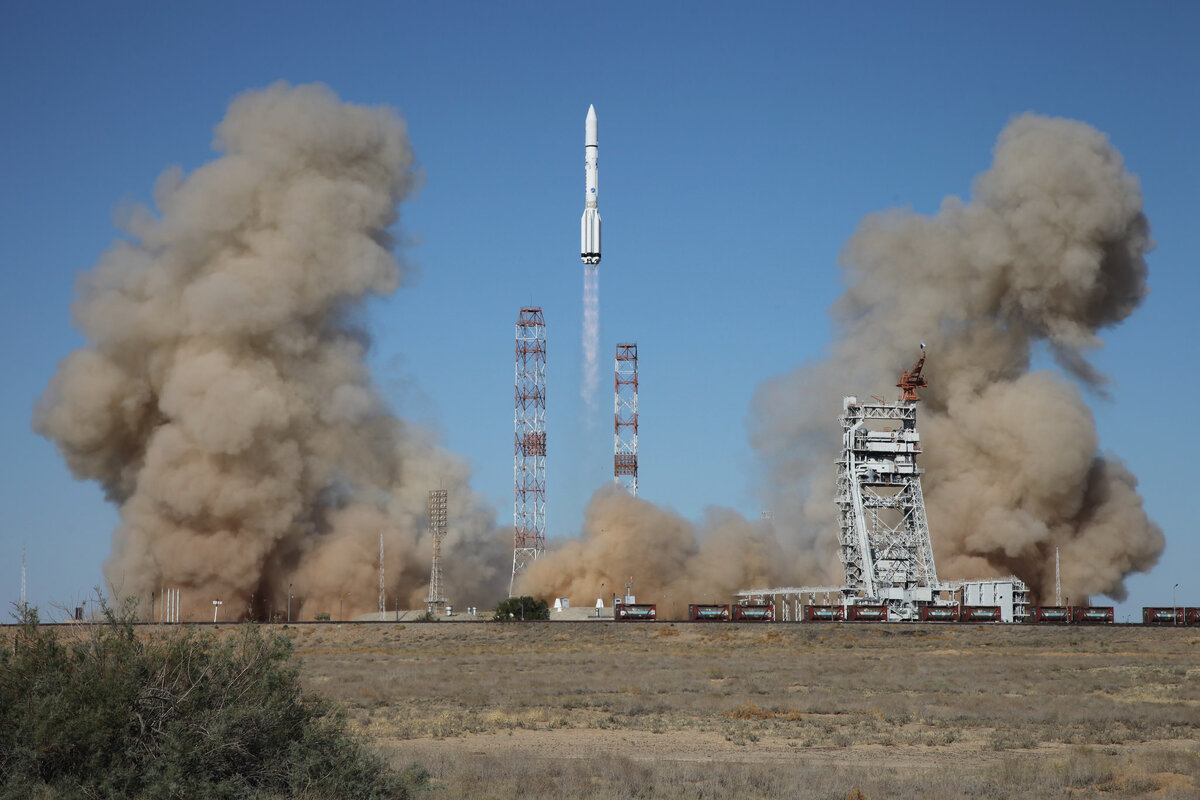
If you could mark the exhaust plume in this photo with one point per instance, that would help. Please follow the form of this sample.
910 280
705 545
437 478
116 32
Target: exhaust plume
223 400
591 336
1050 250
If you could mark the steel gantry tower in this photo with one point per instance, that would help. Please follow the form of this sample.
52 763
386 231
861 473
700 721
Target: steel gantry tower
437 529
625 418
884 536
529 442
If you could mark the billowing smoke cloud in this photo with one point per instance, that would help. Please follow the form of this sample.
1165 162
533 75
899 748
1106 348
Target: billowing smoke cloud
1050 251
670 561
223 401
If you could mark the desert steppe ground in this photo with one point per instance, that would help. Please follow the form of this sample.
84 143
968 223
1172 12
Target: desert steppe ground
603 709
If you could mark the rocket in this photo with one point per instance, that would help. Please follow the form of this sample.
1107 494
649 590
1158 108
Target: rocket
589 226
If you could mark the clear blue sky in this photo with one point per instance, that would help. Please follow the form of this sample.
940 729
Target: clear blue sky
740 144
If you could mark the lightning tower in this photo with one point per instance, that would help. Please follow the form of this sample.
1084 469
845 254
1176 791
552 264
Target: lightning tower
529 442
625 418
437 529
382 601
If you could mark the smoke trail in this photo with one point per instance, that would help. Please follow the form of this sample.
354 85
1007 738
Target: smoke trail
591 335
223 401
1051 250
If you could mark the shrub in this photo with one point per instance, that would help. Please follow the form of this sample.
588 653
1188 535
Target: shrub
110 714
524 607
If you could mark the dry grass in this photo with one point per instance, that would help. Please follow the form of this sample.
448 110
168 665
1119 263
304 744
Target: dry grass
677 710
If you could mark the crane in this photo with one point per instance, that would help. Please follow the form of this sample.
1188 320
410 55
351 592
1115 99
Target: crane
912 379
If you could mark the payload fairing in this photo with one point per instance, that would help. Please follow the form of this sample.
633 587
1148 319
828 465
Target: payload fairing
589 226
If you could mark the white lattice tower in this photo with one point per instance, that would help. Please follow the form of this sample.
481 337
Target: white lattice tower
883 533
625 418
529 442
382 602
437 530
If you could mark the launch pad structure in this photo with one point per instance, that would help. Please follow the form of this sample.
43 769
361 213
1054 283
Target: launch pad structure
625 418
883 533
529 442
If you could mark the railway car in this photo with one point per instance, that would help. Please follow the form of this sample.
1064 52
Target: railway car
981 614
824 613
708 613
1050 614
1165 615
868 614
635 611
1092 615
939 614
754 613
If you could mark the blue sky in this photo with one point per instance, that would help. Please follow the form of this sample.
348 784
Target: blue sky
739 147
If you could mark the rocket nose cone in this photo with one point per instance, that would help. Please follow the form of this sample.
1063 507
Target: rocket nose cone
591 112
591 132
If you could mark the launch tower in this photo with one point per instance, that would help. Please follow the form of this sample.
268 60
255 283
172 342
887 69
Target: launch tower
883 534
529 442
625 418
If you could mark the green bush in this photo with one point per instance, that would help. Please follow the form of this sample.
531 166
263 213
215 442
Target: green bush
525 607
98 711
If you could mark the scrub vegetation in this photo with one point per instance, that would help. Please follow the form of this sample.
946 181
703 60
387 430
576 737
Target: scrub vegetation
110 710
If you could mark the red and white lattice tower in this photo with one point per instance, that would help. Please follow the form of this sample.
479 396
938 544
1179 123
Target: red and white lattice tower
625 418
529 439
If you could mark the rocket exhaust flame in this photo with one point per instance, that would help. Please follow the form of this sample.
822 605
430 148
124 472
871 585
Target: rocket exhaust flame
223 401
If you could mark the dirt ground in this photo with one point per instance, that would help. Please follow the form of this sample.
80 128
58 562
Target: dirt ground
607 709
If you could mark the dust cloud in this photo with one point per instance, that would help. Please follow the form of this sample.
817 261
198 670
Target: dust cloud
670 560
1049 251
223 400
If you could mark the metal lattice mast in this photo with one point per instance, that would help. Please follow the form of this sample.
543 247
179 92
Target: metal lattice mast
883 533
1057 580
529 442
382 602
437 529
625 418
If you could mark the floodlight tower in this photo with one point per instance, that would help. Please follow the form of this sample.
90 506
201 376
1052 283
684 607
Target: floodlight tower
529 442
437 528
625 418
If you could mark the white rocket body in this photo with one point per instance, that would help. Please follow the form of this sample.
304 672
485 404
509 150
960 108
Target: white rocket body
589 226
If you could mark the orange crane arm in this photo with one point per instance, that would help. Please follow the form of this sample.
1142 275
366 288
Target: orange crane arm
911 380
